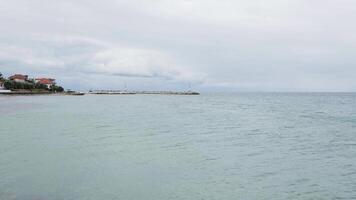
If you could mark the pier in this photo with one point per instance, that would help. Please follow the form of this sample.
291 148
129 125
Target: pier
125 92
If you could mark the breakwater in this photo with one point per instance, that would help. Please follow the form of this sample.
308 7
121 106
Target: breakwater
124 92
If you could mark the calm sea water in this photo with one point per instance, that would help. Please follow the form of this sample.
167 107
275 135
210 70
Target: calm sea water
212 146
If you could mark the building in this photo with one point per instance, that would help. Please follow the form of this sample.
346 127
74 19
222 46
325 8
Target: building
46 81
19 78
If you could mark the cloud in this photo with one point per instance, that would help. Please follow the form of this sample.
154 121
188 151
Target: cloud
74 54
140 63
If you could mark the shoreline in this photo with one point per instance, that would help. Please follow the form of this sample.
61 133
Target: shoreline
28 93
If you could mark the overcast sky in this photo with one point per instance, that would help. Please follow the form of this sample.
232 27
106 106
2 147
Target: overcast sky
205 45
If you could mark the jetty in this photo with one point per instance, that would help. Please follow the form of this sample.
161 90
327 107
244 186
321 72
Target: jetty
168 92
113 92
125 92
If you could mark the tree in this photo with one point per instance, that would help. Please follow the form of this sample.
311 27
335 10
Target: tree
40 86
31 80
8 85
28 86
61 89
55 88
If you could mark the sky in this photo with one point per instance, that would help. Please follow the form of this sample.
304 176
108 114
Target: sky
202 45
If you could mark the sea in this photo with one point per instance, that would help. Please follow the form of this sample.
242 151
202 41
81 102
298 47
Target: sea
214 146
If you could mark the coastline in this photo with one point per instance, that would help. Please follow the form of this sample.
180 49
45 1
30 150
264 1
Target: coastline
29 93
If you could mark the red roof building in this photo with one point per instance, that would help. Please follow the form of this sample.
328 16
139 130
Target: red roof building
46 81
19 78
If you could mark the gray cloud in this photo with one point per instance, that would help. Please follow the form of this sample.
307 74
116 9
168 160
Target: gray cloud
279 45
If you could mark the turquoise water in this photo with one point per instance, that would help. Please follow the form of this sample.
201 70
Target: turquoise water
151 147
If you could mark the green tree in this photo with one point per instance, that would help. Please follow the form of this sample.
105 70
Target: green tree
8 85
55 88
31 80
28 86
40 86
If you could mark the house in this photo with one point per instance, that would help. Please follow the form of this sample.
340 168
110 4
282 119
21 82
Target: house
46 81
19 78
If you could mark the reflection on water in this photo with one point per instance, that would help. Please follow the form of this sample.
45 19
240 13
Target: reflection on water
241 146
